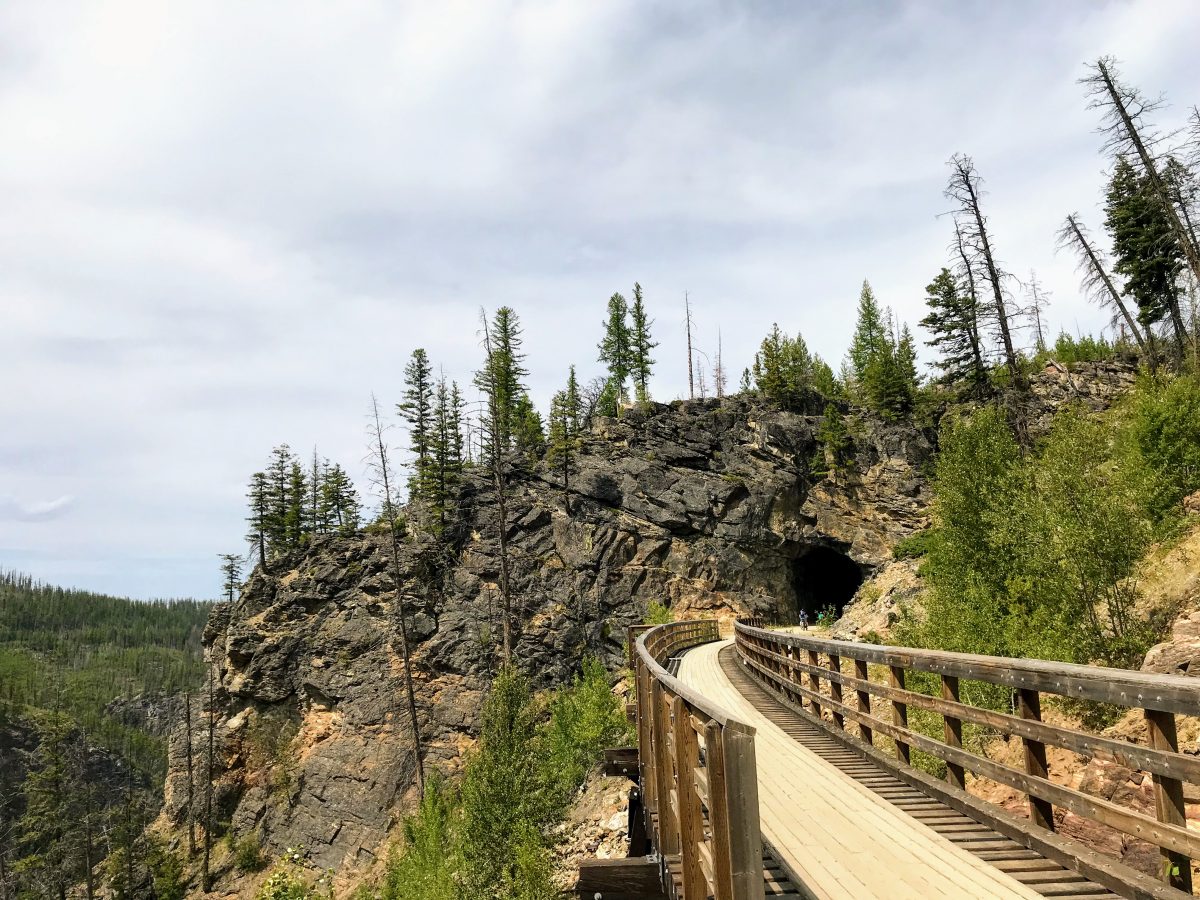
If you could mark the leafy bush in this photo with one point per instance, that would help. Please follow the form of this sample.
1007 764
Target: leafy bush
584 719
1083 349
658 613
914 546
1032 554
289 881
1165 433
491 839
248 855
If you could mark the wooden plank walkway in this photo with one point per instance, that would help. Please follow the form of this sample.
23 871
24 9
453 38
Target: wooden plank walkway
1045 876
838 838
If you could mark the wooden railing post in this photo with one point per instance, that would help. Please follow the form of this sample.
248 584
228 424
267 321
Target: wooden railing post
814 682
691 816
1168 798
952 732
718 811
835 689
741 793
647 762
1029 705
899 713
668 822
864 699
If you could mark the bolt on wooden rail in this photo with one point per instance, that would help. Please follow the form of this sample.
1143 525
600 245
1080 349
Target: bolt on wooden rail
790 666
698 774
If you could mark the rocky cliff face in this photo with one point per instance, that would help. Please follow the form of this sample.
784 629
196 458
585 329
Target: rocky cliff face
708 507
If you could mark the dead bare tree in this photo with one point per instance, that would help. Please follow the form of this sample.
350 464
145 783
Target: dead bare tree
1124 124
1039 299
687 306
191 810
208 793
965 189
719 370
1097 285
971 319
381 471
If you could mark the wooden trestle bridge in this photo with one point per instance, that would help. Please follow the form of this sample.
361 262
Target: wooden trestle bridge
779 764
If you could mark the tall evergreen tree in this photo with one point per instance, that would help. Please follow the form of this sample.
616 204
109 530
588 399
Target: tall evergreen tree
565 423
417 410
573 402
500 383
882 359
296 522
447 449
529 434
1147 252
259 519
953 322
616 348
279 485
640 346
231 576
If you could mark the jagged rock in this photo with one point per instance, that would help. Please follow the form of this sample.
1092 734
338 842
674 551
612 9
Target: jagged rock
709 507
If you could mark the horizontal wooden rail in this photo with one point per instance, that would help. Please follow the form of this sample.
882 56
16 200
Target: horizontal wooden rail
698 774
791 665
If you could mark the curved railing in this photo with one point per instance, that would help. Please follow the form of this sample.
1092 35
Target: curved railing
698 775
807 674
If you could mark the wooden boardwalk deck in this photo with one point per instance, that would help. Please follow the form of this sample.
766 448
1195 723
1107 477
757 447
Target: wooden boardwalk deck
835 836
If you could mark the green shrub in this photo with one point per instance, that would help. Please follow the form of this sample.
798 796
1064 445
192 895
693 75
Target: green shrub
248 855
289 881
584 719
1032 554
658 614
426 867
1165 433
914 546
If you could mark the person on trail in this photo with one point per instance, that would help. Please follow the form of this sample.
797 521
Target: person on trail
804 620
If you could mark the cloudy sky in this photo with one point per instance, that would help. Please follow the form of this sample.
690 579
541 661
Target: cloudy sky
223 225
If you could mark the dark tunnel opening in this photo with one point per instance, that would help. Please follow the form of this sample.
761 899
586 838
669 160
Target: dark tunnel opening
823 577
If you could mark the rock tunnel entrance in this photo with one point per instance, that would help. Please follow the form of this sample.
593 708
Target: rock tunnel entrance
824 577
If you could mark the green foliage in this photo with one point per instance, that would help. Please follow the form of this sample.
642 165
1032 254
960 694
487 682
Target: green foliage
882 359
1034 554
658 614
428 865
492 839
1083 349
786 372
288 506
290 881
914 546
834 439
953 322
641 344
529 435
248 855
77 651
584 719
1146 250
1165 433
500 382
616 350
166 870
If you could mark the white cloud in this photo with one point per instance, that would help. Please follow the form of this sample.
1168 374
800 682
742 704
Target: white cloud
34 511
223 225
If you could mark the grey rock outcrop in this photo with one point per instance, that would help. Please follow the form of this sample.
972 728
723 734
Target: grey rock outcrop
708 507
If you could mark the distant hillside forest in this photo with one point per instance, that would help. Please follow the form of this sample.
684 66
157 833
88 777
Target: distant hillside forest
74 652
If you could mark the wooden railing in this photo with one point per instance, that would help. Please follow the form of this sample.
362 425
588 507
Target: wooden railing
830 681
698 775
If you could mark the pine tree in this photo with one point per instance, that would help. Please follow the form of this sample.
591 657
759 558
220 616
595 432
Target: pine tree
1147 252
953 323
231 575
279 485
868 345
447 449
296 522
564 437
500 383
882 360
641 345
340 498
616 349
573 402
529 434
259 518
834 439
317 514
417 410
45 830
